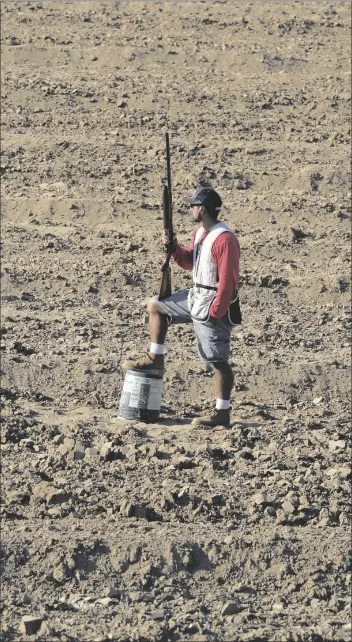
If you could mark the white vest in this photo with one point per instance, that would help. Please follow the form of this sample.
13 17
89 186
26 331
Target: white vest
205 273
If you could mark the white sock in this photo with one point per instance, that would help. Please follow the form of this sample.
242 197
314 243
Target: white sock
222 404
156 348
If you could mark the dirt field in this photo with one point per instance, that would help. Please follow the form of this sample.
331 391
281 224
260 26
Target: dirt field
165 532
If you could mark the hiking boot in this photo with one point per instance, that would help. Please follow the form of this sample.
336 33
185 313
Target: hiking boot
145 363
216 418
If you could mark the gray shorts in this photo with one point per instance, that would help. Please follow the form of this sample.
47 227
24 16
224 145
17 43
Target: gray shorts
213 336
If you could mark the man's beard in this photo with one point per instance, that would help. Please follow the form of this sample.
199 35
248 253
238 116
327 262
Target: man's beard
198 219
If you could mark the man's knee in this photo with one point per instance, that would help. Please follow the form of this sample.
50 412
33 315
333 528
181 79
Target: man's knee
221 365
153 306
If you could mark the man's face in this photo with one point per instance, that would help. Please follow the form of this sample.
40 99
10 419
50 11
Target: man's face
196 213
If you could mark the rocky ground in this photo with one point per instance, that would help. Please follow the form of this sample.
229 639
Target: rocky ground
137 532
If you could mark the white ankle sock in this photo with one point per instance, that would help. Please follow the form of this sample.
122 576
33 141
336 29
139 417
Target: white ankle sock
156 348
222 404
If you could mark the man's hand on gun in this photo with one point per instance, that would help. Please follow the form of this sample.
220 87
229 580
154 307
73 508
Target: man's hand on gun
165 241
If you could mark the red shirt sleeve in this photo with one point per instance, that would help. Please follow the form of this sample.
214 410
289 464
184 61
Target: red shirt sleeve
226 254
183 256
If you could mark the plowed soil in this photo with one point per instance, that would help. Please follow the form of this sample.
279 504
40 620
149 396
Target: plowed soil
135 532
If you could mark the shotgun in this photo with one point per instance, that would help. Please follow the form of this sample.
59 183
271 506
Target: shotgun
165 287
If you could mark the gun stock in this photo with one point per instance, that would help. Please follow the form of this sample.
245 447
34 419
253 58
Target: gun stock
165 286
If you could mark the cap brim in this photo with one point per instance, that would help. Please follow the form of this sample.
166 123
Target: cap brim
189 200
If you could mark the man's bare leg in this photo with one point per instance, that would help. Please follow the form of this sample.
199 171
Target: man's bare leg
158 326
224 383
224 379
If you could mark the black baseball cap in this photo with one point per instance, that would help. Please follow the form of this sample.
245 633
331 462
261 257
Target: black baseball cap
205 196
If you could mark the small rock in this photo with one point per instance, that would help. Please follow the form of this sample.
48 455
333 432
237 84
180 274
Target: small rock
106 451
269 511
69 443
182 463
79 451
265 281
91 452
61 573
288 506
58 439
29 443
126 508
105 601
253 509
228 539
244 588
324 515
30 624
241 184
336 445
230 608
297 234
247 454
331 472
344 519
343 472
55 512
317 400
156 615
59 185
62 450
291 463
280 571
259 499
187 560
58 497
46 631
112 592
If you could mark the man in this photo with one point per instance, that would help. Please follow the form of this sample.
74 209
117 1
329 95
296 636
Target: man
214 258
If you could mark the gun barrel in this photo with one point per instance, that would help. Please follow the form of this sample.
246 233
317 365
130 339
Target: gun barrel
165 288
166 207
168 173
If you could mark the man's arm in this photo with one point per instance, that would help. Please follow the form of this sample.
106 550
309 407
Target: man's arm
183 256
226 254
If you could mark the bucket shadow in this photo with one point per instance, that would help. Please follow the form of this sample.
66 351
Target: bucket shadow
177 423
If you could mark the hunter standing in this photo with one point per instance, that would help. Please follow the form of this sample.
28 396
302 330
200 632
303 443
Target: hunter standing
211 304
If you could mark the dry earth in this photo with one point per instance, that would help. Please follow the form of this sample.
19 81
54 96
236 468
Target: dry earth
165 533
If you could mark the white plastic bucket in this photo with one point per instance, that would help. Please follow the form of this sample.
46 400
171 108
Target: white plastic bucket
141 395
